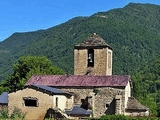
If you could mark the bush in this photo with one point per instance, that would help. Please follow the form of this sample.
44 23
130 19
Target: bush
4 113
114 117
17 113
122 117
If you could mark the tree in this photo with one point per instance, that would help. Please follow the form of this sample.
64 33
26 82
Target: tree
26 67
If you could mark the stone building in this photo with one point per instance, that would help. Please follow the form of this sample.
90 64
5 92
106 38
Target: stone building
93 57
37 102
102 94
93 86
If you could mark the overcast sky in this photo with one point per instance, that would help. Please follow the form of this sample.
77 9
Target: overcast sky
31 15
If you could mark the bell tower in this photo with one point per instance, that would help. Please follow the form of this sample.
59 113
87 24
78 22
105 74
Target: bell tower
93 57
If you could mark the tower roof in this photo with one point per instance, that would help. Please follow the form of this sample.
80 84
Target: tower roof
93 41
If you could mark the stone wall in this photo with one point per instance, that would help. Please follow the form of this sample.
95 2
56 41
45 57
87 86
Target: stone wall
80 61
69 102
102 62
137 113
118 104
45 101
101 99
127 93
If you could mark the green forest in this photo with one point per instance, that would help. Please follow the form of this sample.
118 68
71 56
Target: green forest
132 32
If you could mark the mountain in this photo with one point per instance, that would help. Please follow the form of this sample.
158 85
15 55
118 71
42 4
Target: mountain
132 32
10 47
146 85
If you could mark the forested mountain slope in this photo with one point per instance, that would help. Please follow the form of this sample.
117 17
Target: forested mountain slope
132 32
146 85
10 47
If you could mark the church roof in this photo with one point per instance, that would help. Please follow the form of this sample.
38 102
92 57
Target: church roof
93 41
79 80
133 104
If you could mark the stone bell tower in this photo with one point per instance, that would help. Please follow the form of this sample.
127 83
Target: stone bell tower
93 57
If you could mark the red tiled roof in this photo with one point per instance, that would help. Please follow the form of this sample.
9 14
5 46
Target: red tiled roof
79 80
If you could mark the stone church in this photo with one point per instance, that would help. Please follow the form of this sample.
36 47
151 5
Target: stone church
93 90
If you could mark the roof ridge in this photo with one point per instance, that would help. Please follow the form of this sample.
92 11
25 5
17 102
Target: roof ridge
93 41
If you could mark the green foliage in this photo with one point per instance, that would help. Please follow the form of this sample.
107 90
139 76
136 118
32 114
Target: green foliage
122 117
17 114
114 117
25 68
149 101
146 86
95 90
4 113
132 32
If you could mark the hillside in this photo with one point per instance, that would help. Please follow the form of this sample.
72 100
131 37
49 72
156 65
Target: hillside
10 47
132 31
146 82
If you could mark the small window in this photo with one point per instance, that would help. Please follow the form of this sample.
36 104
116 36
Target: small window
107 105
90 58
30 102
56 101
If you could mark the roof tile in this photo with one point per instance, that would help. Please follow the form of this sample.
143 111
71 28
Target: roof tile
79 80
133 104
93 41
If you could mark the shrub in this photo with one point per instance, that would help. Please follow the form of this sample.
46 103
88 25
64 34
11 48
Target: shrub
122 117
17 113
4 113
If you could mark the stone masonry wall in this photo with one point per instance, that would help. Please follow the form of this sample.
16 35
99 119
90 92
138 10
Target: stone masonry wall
80 62
100 58
118 104
45 102
100 62
137 113
102 99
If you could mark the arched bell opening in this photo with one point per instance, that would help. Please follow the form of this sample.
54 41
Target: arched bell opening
90 58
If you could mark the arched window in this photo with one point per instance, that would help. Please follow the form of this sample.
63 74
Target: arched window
90 58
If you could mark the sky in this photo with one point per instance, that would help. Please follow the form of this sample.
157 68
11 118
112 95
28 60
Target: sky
32 15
